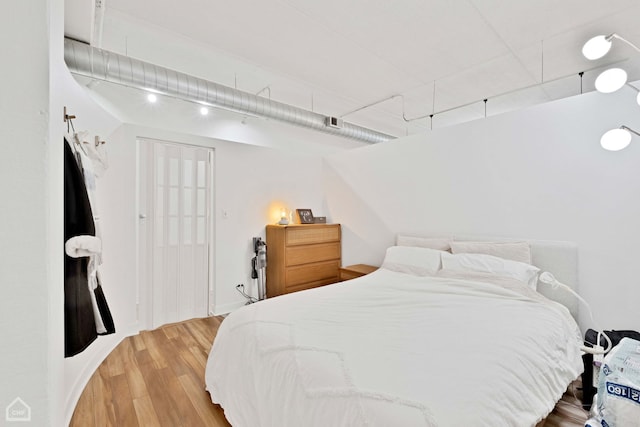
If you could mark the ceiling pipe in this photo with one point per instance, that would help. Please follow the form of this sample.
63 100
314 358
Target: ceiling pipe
85 60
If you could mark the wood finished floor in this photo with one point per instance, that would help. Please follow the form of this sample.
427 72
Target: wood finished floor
156 378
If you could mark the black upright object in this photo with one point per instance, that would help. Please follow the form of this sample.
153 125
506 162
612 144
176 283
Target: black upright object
79 323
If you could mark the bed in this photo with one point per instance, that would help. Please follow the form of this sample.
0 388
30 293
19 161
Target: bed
423 341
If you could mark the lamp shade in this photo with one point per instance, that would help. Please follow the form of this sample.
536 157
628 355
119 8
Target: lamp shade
615 139
596 47
611 80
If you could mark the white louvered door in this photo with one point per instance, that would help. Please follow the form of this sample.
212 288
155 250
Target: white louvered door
174 232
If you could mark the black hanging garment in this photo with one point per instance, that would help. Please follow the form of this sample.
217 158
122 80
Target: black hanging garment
79 323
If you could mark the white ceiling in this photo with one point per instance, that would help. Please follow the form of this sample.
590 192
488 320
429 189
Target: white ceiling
335 56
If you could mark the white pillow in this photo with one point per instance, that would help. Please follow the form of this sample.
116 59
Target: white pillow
514 251
440 243
524 272
412 260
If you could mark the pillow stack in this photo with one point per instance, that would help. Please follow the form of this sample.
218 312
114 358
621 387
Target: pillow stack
425 256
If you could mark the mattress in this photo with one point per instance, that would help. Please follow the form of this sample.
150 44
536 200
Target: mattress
393 349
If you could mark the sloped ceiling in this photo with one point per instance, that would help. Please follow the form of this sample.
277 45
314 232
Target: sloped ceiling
443 57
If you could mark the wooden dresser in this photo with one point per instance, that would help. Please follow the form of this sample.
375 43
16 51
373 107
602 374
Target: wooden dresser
302 256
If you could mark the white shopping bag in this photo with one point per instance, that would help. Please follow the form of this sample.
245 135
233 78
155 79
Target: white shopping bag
617 403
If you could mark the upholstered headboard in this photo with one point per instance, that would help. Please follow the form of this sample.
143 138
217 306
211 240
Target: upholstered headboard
557 257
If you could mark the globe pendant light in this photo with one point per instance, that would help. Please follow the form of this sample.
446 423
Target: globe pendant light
597 47
611 80
615 139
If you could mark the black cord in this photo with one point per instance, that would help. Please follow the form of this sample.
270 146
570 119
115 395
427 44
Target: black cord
250 299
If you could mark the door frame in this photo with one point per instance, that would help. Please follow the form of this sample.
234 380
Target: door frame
144 288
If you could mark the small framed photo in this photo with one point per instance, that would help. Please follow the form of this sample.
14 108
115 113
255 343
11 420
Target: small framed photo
305 215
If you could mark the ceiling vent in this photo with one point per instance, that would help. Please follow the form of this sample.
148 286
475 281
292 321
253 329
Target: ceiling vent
334 122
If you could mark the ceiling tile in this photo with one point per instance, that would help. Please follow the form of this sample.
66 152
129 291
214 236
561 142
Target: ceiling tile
526 22
494 77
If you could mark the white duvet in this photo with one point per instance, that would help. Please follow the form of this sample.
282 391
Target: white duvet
391 349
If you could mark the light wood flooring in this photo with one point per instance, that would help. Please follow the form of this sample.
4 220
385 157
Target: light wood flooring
156 378
568 411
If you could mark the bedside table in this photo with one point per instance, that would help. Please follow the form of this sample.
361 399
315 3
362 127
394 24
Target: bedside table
356 270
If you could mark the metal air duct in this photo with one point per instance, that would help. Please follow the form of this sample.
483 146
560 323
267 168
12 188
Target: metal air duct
85 60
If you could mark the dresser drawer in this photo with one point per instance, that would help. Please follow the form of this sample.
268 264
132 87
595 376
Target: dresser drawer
311 235
320 271
297 255
311 285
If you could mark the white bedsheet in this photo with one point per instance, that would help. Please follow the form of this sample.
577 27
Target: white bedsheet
391 349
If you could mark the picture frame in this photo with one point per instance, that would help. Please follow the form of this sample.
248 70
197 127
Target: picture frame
305 216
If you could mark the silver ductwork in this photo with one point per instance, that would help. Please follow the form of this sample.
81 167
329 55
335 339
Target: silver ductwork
85 60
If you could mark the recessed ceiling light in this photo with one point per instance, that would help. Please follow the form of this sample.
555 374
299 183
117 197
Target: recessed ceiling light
152 97
204 111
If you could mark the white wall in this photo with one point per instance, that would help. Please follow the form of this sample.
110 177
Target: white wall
31 355
89 117
537 173
55 216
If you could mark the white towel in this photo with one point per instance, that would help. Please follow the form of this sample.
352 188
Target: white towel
81 246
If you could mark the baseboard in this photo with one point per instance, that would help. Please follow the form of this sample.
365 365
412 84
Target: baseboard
100 349
219 310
